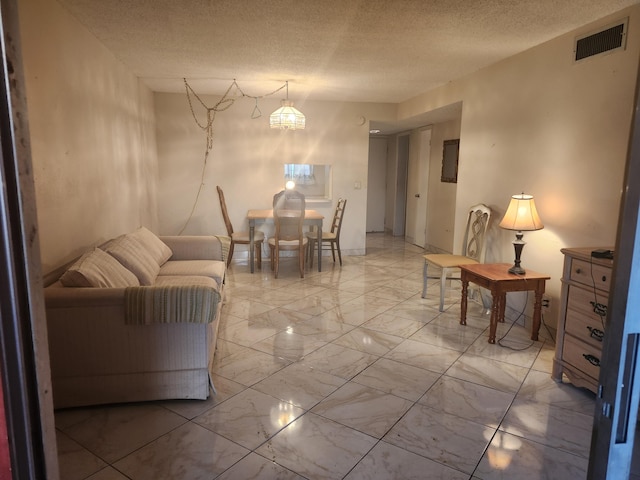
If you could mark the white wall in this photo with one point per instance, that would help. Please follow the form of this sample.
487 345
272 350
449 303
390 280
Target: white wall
540 124
441 201
92 136
247 162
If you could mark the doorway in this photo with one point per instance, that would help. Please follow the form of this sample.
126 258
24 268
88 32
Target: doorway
417 186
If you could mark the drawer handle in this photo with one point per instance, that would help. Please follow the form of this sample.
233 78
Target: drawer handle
604 278
578 271
596 333
591 359
599 308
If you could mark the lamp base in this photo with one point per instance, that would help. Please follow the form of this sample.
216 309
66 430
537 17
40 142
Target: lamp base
518 245
517 270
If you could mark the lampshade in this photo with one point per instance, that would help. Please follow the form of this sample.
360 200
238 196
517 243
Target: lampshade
521 214
287 117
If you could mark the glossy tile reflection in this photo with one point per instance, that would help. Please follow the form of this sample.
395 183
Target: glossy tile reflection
347 374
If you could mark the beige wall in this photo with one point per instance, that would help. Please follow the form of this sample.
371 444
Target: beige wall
247 162
540 124
92 136
441 199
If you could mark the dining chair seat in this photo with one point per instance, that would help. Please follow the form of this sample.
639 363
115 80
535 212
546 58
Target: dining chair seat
473 249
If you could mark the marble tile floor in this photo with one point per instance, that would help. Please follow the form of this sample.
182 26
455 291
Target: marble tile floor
348 374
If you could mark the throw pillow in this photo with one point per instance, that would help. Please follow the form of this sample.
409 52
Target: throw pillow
98 269
135 257
159 250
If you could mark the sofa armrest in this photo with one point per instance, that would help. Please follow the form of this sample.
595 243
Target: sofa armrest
198 247
65 297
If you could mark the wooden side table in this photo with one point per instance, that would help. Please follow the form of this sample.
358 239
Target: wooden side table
496 278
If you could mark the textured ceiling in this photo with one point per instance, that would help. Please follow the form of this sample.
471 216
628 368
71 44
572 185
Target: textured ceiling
346 50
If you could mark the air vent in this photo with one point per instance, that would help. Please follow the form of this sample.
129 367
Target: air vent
610 38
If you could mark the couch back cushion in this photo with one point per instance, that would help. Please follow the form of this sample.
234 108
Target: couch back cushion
134 252
98 269
159 250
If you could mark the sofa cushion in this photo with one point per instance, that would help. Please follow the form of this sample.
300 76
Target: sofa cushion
204 268
98 269
159 250
135 257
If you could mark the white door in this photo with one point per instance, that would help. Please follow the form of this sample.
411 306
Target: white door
376 184
417 182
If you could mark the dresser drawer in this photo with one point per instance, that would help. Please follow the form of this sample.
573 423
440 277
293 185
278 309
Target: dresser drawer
590 274
579 354
591 306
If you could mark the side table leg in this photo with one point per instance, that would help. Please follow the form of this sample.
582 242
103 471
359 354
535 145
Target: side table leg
252 229
495 314
537 312
463 301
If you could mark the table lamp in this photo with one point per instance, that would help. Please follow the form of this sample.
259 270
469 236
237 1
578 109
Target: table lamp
521 216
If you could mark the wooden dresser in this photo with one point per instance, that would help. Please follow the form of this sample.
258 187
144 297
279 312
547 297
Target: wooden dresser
581 322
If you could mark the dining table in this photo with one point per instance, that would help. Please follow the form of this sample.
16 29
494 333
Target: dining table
311 217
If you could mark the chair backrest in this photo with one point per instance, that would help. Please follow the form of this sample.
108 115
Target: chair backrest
476 232
336 225
225 215
288 215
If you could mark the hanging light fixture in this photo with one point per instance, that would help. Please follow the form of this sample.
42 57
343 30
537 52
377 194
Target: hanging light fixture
287 117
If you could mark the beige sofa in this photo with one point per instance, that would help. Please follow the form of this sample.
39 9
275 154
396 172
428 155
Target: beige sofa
136 320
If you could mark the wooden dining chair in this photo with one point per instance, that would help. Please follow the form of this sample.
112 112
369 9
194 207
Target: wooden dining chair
473 249
240 238
288 216
332 237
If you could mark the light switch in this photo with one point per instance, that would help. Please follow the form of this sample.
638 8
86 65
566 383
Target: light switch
357 185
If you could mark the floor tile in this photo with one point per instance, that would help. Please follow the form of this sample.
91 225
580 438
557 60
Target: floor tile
550 425
256 467
289 345
509 457
388 462
189 452
455 337
468 400
366 409
249 418
369 341
318 448
108 473
392 324
300 385
115 431
340 361
441 437
491 373
249 366
538 388
75 462
399 379
428 357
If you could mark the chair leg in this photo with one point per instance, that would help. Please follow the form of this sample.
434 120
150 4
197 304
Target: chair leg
277 255
333 252
272 257
258 247
230 254
312 248
339 253
443 286
424 279
301 255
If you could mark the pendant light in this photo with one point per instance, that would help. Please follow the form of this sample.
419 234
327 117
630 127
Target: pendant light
287 117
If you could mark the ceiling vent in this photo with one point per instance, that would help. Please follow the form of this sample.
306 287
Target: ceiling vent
610 38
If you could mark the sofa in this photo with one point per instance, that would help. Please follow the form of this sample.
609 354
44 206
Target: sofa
136 319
